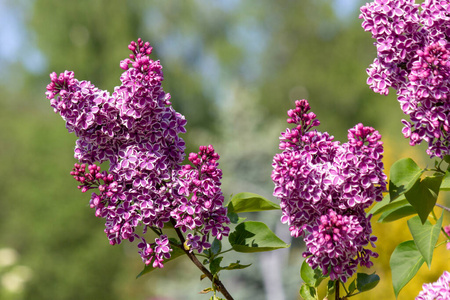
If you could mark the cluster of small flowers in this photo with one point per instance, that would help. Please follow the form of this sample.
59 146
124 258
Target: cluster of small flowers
324 188
413 58
204 211
437 290
137 131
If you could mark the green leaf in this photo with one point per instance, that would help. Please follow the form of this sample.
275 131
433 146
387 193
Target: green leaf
447 159
404 173
310 276
331 287
176 252
397 213
214 266
366 282
425 236
445 185
423 195
236 266
249 202
308 292
405 261
216 247
352 287
234 217
386 204
252 236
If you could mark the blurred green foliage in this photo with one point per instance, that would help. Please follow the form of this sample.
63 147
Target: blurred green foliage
233 68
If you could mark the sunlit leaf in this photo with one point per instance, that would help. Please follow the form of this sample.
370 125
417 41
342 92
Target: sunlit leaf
403 175
386 204
397 213
425 236
252 236
308 292
310 276
249 202
405 261
445 185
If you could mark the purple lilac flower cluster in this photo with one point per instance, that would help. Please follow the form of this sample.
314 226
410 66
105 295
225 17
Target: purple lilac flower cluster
204 212
413 57
137 131
324 188
439 290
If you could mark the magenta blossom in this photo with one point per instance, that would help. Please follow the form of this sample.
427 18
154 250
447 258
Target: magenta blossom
324 187
413 57
137 130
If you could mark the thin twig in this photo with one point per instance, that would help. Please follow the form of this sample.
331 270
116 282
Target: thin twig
219 285
443 207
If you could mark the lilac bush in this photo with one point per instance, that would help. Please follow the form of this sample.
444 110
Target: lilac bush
413 58
137 131
325 187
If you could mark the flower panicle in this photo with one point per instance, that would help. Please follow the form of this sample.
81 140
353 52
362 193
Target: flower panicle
138 132
413 58
325 187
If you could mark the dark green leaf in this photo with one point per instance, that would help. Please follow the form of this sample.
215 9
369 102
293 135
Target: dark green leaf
308 292
176 252
214 266
447 159
445 185
236 266
386 204
234 217
425 236
352 287
216 247
331 287
404 173
405 261
423 195
249 202
254 236
310 276
366 282
397 213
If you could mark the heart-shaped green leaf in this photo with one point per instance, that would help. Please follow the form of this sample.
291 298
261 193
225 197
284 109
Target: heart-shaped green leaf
405 261
249 202
252 236
403 175
425 236
423 195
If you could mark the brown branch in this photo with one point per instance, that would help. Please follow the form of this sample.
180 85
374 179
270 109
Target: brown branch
336 292
443 207
217 283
